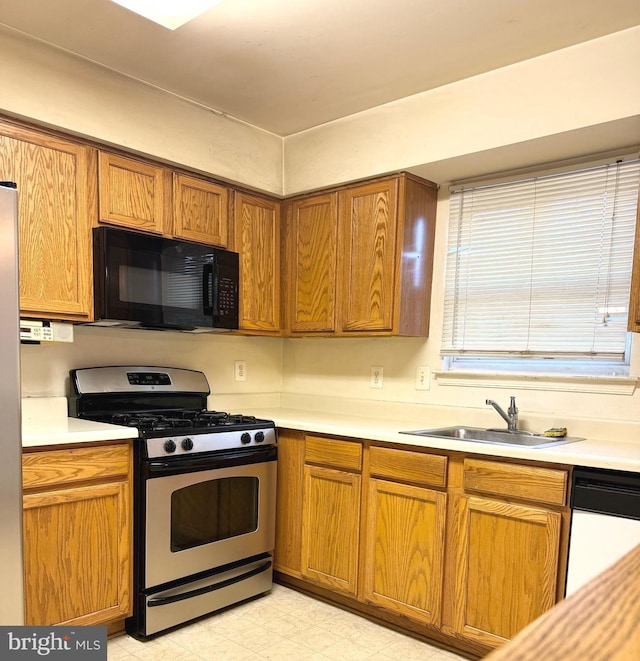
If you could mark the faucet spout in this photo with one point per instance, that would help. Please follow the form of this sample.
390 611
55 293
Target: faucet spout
511 417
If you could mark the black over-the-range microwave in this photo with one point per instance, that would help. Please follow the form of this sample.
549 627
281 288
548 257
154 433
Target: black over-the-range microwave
167 284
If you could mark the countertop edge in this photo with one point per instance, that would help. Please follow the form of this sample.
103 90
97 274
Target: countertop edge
68 431
595 453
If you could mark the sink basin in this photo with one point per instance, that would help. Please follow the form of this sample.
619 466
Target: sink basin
502 436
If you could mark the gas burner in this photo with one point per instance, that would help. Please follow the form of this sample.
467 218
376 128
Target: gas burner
131 420
211 418
240 419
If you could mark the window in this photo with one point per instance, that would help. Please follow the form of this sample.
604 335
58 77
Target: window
539 270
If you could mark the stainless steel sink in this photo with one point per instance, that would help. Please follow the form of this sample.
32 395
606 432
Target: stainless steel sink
501 436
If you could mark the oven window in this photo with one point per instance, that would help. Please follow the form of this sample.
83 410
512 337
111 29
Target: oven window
211 511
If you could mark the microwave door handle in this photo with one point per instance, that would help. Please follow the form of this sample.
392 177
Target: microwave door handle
207 279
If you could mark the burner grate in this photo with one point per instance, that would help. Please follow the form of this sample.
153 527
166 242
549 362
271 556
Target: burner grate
183 420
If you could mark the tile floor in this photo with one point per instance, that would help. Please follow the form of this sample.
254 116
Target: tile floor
285 626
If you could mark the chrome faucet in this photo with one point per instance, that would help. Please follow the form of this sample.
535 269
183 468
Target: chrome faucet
511 417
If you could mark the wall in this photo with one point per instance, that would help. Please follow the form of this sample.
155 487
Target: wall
568 103
575 101
45 367
54 88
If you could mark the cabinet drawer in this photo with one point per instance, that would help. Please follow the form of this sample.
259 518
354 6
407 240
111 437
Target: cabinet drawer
332 452
403 465
544 485
40 469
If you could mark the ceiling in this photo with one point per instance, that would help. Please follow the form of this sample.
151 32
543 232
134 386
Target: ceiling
289 65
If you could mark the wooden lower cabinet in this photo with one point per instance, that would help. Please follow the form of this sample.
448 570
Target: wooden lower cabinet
461 548
331 528
287 555
77 535
506 566
404 559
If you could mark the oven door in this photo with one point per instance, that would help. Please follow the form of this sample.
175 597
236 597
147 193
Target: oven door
199 518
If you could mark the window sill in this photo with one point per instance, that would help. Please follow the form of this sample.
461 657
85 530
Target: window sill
605 385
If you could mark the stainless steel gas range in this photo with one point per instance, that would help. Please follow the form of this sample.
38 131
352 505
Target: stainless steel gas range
204 492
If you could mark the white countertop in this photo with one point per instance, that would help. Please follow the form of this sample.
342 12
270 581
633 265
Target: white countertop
45 422
599 453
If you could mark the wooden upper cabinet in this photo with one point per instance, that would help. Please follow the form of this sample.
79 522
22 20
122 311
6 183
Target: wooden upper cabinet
133 194
634 297
359 261
56 197
257 239
200 211
309 269
368 223
386 232
385 258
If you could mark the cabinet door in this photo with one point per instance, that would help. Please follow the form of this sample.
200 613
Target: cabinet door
311 231
257 239
288 551
77 550
132 193
200 211
368 223
404 551
331 528
634 296
55 186
506 560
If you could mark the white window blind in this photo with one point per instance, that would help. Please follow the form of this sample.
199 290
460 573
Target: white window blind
542 267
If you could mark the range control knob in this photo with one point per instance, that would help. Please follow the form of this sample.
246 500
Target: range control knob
169 446
245 438
187 444
259 436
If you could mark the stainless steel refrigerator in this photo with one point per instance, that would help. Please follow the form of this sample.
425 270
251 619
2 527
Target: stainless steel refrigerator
11 566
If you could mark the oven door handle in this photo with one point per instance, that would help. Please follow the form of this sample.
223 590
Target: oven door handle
215 460
172 599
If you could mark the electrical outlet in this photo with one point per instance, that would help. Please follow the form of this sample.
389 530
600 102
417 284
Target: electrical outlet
376 376
241 370
423 377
